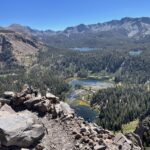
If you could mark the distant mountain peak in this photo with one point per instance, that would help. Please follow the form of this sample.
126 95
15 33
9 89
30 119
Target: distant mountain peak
20 28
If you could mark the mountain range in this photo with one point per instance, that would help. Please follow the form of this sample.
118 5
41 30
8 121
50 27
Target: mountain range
94 35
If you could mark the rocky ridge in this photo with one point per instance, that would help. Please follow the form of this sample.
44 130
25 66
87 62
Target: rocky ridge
31 121
130 27
115 33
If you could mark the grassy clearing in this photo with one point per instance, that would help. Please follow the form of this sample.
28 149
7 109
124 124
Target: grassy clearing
81 103
130 127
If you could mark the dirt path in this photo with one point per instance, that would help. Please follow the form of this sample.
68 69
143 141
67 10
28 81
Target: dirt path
57 137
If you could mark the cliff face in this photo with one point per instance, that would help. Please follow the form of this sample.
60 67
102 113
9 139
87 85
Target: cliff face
29 120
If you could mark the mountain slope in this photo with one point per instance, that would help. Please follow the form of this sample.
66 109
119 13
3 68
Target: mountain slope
115 32
17 48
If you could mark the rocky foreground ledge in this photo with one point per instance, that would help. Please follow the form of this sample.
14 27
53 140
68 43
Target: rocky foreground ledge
30 121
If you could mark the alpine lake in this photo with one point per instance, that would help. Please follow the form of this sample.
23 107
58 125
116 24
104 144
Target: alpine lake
81 92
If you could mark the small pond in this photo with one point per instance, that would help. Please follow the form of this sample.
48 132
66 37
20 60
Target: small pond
91 82
83 49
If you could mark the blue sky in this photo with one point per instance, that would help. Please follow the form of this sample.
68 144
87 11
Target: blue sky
59 14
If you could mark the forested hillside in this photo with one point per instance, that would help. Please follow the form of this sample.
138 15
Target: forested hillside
120 105
124 67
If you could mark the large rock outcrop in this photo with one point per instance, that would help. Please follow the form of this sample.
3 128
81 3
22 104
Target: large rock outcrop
125 143
19 129
63 130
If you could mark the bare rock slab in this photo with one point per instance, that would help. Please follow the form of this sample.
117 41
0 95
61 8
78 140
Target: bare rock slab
20 129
